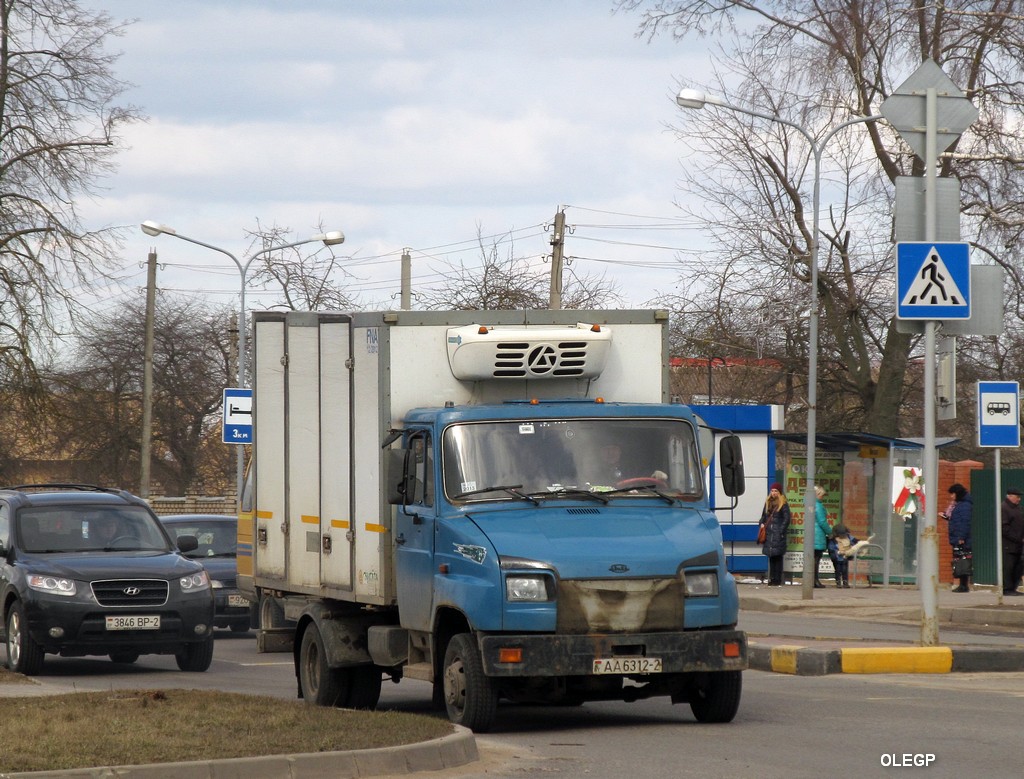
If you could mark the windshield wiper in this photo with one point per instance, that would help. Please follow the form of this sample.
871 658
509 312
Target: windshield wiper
511 489
648 487
574 492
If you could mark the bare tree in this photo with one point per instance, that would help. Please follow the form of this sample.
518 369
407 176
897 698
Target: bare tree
819 64
59 127
508 283
98 400
308 279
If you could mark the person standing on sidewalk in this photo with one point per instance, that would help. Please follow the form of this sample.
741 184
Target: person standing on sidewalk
1013 541
821 533
775 520
960 532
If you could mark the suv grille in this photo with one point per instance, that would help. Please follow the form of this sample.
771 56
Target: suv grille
130 592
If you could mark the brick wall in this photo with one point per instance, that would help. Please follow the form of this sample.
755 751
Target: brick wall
193 504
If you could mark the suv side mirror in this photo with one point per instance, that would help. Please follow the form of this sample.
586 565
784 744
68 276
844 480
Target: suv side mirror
187 543
730 465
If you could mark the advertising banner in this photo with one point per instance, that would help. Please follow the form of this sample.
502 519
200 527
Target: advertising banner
829 474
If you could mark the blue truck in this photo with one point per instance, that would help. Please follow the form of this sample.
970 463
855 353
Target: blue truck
500 503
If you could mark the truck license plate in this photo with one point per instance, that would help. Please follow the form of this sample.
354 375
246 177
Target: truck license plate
133 622
627 665
238 600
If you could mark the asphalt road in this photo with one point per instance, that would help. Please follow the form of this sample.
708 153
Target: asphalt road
787 726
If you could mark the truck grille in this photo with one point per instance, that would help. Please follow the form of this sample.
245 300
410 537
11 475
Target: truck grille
619 605
130 592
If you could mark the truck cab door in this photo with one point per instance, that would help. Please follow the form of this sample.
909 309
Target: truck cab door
414 534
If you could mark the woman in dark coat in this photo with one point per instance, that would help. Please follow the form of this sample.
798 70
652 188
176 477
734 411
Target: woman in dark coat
960 529
775 519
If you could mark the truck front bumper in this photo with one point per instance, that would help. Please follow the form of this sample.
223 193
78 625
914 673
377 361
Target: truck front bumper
574 655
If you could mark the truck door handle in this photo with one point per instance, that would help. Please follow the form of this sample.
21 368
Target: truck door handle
400 539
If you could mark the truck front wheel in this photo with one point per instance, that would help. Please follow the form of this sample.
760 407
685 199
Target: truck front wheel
715 697
470 697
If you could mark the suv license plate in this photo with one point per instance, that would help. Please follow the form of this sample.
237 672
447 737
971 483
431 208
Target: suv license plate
134 622
627 665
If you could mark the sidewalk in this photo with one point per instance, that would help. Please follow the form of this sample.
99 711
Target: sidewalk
882 629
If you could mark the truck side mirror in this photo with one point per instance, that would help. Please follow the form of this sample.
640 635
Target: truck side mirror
395 479
730 465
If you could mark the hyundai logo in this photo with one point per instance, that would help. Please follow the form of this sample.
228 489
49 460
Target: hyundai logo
132 590
618 568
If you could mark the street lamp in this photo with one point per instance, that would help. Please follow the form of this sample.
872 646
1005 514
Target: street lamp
694 98
332 238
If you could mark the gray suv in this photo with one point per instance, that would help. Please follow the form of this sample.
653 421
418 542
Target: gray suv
86 570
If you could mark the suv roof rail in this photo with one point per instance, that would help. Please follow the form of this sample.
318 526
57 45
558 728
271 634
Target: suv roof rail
62 486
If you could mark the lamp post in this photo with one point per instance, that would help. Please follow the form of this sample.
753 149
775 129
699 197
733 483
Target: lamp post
332 238
694 98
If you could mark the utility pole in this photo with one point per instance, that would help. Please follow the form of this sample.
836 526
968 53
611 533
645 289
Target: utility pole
557 244
406 280
147 377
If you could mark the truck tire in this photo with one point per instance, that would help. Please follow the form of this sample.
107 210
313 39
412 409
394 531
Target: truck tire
716 697
470 697
320 684
195 657
271 613
24 655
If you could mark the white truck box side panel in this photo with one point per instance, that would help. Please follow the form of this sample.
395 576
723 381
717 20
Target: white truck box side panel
371 516
303 447
269 418
335 462
635 371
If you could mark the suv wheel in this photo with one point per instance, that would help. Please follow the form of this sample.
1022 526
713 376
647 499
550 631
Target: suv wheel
24 656
196 656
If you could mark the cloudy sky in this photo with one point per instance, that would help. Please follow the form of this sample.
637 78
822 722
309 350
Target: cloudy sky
413 123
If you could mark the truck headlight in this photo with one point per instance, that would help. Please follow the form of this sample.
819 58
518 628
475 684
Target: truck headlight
527 588
701 584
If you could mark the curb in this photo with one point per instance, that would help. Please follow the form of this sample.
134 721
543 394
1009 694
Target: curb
801 660
452 751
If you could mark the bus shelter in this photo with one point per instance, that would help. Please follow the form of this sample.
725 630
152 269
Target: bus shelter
874 485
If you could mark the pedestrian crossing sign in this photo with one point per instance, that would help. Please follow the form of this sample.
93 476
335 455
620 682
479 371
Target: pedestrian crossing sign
933 280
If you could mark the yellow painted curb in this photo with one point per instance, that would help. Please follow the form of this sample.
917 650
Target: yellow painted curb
784 659
898 660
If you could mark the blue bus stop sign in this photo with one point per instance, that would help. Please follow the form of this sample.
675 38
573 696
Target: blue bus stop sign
998 414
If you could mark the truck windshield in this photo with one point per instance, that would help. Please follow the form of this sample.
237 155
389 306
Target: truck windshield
548 458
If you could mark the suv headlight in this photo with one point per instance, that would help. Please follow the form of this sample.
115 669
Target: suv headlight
194 582
701 584
54 585
527 588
